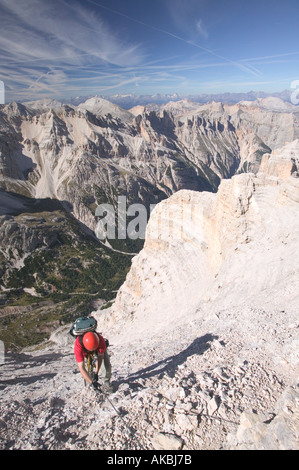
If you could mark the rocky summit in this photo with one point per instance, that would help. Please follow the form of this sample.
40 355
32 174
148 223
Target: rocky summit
203 332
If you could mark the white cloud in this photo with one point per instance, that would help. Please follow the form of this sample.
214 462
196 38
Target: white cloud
202 29
49 31
44 43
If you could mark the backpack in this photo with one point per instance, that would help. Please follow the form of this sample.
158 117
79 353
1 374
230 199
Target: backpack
83 325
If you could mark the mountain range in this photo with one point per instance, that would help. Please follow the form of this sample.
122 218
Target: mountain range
128 101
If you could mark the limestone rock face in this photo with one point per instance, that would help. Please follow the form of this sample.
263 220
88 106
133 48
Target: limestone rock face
231 245
281 162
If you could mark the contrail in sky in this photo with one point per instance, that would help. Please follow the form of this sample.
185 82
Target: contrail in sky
250 69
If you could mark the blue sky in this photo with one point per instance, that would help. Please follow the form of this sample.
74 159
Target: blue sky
68 48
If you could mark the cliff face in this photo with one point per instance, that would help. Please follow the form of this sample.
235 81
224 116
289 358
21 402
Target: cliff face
226 247
281 163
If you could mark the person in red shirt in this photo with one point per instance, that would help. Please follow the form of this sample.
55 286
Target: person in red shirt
92 342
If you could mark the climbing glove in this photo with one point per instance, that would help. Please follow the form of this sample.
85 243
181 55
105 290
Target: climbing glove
95 385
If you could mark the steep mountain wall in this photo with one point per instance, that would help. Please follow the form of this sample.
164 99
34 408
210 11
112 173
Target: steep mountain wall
228 248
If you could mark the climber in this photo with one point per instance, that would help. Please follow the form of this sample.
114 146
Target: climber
93 342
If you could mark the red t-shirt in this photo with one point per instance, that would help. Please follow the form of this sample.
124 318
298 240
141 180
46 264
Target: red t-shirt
81 353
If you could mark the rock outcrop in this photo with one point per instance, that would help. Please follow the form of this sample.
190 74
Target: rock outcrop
231 245
279 432
281 163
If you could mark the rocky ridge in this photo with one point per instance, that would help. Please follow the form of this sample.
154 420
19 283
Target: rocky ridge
200 246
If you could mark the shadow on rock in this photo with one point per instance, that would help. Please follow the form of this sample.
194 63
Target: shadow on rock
25 380
170 364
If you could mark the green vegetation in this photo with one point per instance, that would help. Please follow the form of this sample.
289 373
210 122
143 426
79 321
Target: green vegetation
67 275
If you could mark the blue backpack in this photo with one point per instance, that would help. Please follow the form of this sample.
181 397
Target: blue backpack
83 325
